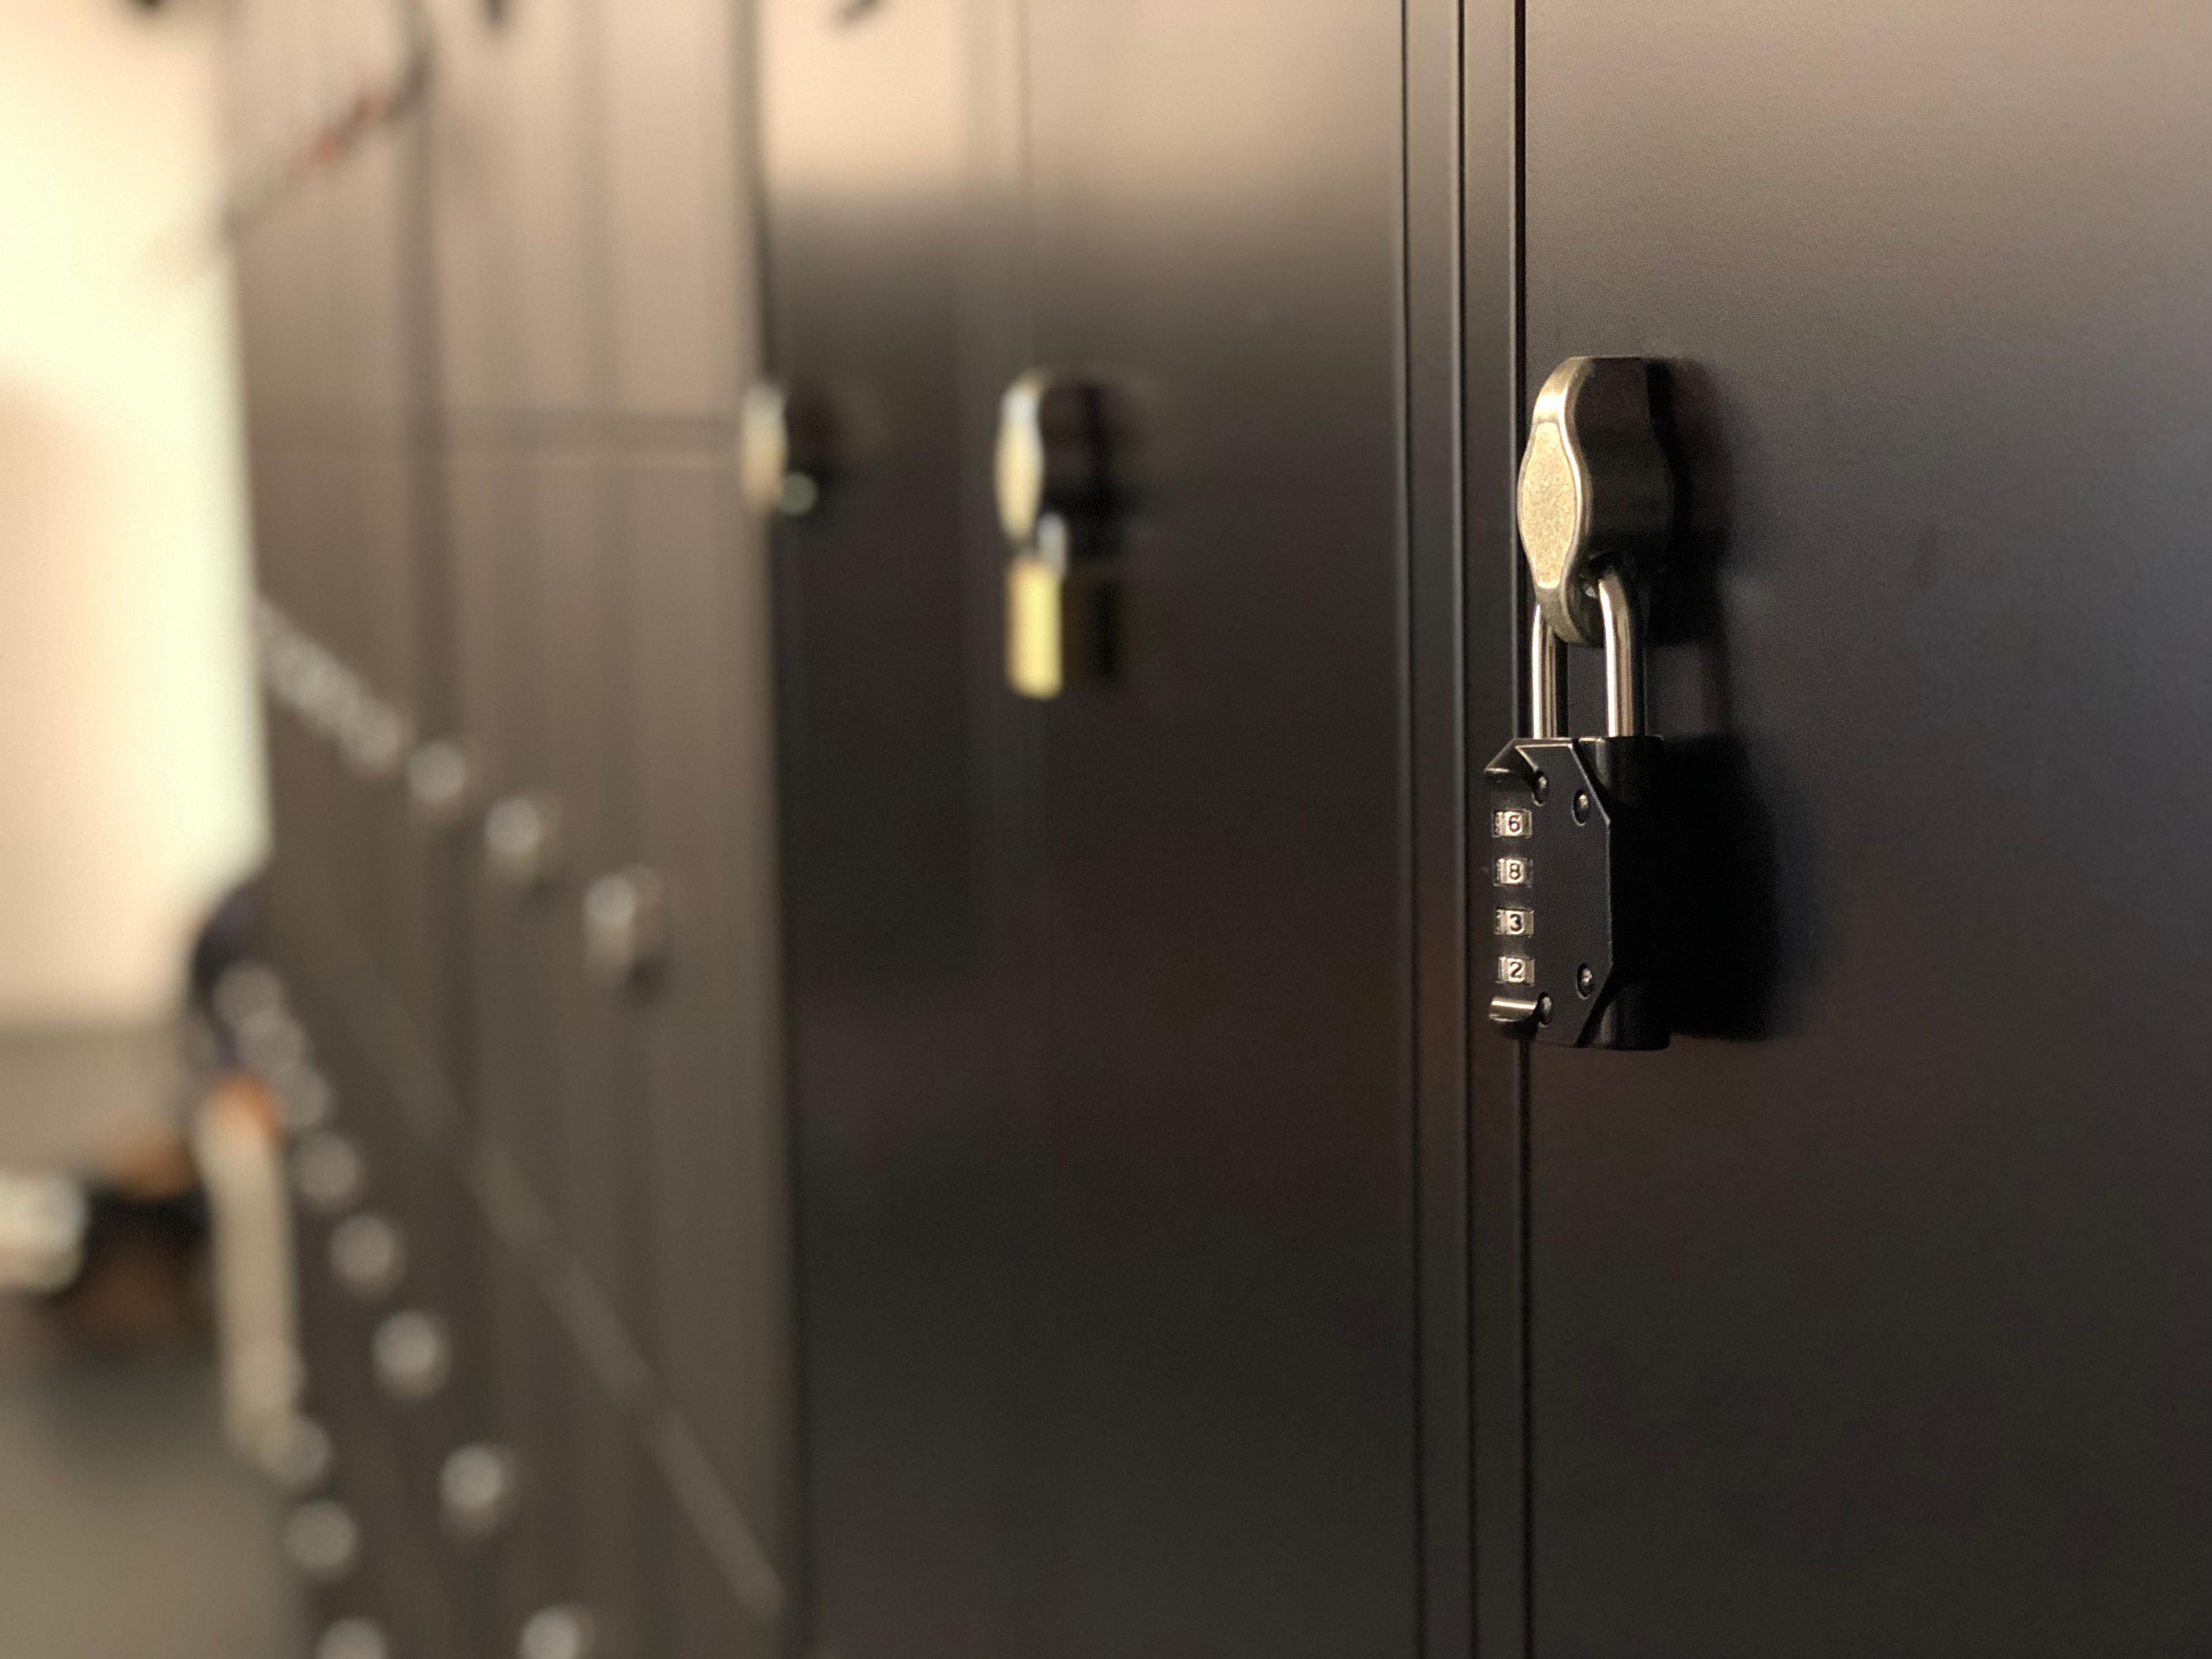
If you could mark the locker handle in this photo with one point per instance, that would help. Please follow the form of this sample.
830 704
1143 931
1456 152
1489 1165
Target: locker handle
522 840
625 927
477 1485
440 784
411 1353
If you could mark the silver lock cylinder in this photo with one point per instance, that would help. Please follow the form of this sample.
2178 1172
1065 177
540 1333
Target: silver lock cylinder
328 1174
412 1354
563 1632
368 1256
322 1541
479 1487
354 1637
523 841
441 785
1595 494
782 452
314 686
625 916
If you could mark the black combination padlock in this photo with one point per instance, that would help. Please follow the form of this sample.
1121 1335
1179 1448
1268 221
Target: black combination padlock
1577 854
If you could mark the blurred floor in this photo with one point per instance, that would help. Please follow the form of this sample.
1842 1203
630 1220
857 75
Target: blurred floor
127 1529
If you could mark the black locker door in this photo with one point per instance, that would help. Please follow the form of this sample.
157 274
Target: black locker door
709 1018
909 1184
511 1071
1213 238
1875 1323
524 266
697 1113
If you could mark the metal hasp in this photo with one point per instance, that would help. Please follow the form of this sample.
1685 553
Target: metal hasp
1596 493
1575 824
1050 477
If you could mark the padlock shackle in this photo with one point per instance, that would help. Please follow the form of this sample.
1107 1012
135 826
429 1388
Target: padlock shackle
1548 678
1624 665
1624 657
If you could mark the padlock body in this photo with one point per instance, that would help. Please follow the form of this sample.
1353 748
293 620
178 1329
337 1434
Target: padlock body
1570 943
1059 626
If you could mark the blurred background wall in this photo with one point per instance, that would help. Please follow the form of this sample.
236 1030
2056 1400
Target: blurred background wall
129 771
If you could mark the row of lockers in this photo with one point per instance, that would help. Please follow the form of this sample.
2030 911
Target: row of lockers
519 908
886 1164
1025 1124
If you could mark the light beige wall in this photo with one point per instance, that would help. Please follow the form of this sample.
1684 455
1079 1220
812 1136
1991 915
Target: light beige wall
129 752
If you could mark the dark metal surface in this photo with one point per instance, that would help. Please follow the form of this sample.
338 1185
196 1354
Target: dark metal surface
491 357
1225 960
1109 1369
716 1324
1437 662
1877 1326
907 1150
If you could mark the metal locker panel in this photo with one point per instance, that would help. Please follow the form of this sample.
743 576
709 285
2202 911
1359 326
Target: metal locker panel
382 478
263 263
315 212
275 264
390 1578
467 228
277 501
581 696
515 194
514 1157
556 1088
367 193
911 1188
620 1544
1224 952
669 79
710 1018
333 865
1867 1317
709 1616
445 1281
310 881
865 261
406 635
532 1561
342 579
599 1201
511 1090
